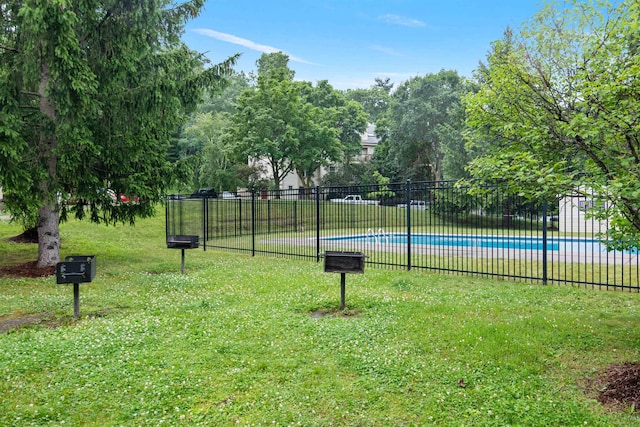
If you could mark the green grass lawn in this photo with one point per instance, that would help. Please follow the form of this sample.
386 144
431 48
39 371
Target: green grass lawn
258 341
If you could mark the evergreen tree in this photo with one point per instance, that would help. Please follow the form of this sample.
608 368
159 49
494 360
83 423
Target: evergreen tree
91 93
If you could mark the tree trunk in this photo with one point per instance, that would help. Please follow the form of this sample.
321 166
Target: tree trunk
48 235
48 217
276 178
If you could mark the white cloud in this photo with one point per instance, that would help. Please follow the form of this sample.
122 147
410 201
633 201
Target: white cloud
230 38
401 20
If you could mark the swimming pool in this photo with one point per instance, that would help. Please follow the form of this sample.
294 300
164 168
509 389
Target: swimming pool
534 243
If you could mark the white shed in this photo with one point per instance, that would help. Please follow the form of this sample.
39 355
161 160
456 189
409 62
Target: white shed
574 218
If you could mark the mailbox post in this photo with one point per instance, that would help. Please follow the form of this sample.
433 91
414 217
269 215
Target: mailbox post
183 242
343 263
76 269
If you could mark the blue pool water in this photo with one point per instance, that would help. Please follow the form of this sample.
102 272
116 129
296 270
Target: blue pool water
483 241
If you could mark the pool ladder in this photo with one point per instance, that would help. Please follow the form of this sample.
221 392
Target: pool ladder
377 236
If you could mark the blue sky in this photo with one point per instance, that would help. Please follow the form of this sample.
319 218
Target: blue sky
351 42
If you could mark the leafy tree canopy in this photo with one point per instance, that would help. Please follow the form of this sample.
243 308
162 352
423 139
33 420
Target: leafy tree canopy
275 65
268 119
557 110
422 121
295 126
226 99
375 100
346 116
204 153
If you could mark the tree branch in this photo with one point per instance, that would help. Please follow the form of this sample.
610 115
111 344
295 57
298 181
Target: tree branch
9 49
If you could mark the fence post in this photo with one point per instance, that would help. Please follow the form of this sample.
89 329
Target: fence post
240 215
181 215
205 222
317 223
167 219
544 243
253 222
408 193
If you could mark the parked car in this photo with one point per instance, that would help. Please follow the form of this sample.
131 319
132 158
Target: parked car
176 197
205 192
355 199
126 199
415 204
228 195
121 198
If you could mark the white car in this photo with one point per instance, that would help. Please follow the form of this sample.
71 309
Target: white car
356 199
228 195
415 204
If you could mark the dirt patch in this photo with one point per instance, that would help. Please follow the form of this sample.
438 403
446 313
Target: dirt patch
618 387
48 320
27 269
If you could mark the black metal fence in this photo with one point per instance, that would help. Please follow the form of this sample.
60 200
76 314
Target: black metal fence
425 225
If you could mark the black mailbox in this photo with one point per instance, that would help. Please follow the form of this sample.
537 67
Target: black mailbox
343 262
76 269
182 241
